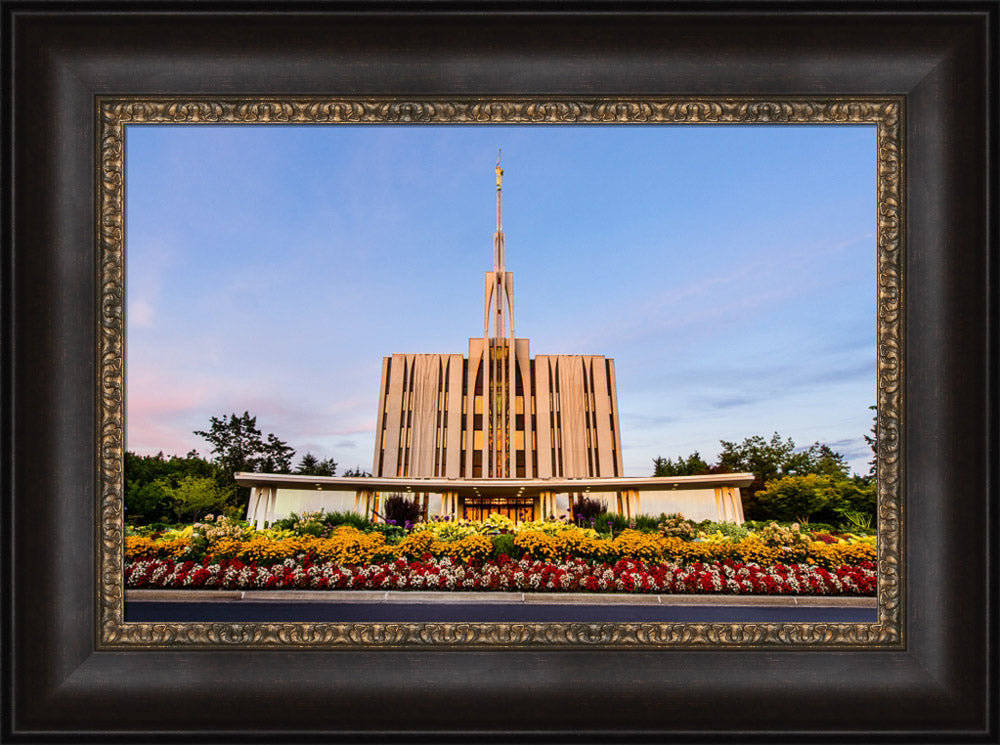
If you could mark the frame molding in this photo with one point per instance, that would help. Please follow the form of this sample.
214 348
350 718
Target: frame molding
885 113
61 683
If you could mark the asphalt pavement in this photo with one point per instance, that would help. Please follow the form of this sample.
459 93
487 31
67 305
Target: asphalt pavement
424 607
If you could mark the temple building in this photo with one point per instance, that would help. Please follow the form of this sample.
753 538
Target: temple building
498 431
497 413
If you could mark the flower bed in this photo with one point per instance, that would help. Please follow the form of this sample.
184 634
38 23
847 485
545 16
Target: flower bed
505 574
350 546
547 555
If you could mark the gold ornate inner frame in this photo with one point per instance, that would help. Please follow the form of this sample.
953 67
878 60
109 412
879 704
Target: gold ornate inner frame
114 113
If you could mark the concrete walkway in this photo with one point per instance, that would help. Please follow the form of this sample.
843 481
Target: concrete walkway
490 598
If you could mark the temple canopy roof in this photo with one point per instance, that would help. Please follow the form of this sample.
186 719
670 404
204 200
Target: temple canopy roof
497 487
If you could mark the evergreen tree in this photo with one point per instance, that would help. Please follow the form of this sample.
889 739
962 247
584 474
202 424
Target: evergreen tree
310 465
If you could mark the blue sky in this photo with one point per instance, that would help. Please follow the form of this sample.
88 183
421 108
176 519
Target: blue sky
729 271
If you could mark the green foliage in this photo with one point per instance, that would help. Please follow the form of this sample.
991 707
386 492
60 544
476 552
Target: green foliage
147 502
646 523
149 479
797 498
872 441
765 459
195 496
311 523
392 533
678 526
815 527
770 460
811 497
731 531
693 465
353 519
321 523
356 471
857 495
859 522
503 543
822 460
618 523
238 445
310 465
784 536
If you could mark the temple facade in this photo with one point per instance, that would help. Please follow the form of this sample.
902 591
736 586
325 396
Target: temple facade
497 431
497 412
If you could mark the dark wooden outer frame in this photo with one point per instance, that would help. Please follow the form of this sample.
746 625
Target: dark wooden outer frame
57 685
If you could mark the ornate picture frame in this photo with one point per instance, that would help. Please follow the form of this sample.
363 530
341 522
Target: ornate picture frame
885 113
74 670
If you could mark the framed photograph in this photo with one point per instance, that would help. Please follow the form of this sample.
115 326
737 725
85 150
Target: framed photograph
285 276
921 84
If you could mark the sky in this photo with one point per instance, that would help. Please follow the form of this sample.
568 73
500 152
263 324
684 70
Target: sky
729 270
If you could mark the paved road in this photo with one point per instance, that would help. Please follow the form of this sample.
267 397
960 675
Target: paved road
249 610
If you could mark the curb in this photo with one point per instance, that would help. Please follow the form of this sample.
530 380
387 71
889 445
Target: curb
417 597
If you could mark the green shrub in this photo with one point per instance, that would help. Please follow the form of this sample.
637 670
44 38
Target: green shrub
784 536
504 544
618 523
646 523
677 526
796 498
353 519
393 533
857 504
858 522
732 531
308 523
819 527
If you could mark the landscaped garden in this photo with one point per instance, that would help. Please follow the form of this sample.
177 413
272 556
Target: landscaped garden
599 553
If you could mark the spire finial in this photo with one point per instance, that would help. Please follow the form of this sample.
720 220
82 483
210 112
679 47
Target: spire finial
499 170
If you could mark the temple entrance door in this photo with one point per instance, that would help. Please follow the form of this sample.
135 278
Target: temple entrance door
518 510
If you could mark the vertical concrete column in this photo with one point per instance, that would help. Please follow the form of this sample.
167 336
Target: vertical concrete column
449 503
257 508
736 501
547 504
363 502
629 499
252 505
262 505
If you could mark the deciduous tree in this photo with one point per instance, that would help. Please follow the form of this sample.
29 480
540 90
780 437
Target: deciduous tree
238 445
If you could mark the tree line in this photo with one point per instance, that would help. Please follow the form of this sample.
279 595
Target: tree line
790 484
173 489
